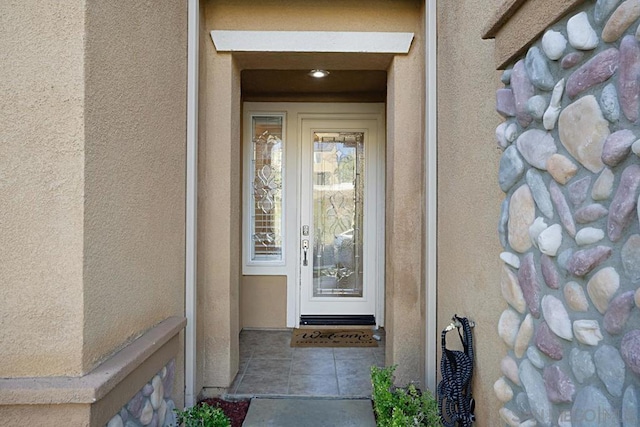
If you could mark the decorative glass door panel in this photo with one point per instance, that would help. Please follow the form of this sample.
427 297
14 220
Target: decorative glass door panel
338 217
338 195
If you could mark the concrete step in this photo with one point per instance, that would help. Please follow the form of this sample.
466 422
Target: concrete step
309 412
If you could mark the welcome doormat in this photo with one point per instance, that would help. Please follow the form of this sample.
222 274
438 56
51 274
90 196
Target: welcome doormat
333 338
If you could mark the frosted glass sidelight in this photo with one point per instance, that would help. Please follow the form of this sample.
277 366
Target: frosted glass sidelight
267 188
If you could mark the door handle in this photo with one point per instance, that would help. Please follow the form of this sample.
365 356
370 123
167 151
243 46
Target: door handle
305 250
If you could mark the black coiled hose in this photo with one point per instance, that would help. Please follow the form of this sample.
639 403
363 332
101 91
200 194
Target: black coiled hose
455 403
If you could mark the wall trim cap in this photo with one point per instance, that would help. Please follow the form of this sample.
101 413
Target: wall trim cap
312 41
519 23
500 17
93 386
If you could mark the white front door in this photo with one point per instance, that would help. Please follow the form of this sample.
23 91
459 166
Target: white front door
338 210
333 209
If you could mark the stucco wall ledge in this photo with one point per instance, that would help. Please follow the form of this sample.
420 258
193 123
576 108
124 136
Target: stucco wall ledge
517 23
95 385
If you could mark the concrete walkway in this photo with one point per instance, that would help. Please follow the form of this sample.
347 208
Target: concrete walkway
310 412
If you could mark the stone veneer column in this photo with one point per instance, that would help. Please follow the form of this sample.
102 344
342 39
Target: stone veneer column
569 224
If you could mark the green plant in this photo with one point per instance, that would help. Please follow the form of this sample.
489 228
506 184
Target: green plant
203 415
401 407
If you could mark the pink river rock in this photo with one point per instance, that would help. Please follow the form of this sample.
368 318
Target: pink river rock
559 386
547 342
628 77
624 203
590 213
571 60
596 70
528 280
549 272
578 190
562 208
522 90
582 262
618 312
630 350
505 102
617 147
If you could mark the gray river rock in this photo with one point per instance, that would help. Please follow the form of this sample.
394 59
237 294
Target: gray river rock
537 69
592 409
511 168
610 368
539 191
536 393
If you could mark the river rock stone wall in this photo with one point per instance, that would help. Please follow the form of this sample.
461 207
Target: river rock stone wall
569 224
152 405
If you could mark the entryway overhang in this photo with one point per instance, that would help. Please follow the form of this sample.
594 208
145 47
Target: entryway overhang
312 41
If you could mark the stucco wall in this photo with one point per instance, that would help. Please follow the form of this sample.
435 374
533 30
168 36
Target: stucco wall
263 302
41 188
135 119
468 196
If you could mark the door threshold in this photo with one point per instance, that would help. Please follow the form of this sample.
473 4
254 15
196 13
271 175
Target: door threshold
340 320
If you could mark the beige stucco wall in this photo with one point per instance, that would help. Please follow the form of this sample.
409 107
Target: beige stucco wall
468 194
263 302
404 275
92 182
219 219
46 415
41 188
135 118
219 215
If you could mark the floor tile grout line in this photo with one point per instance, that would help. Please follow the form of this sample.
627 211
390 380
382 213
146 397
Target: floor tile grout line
244 371
290 369
335 371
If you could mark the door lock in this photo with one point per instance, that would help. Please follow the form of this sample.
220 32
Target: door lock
305 230
305 250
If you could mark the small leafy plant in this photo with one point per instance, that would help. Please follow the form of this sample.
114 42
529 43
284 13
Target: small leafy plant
202 415
401 407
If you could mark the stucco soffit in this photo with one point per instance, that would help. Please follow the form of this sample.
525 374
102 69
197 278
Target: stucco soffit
312 41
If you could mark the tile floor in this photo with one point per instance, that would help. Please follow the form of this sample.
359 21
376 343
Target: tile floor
270 367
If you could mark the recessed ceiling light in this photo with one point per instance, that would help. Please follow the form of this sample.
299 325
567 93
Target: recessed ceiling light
318 74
